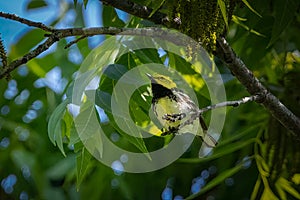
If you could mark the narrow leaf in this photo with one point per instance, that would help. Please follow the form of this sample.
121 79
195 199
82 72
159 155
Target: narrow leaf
156 7
111 18
82 162
250 7
256 188
85 2
36 4
287 186
88 128
55 126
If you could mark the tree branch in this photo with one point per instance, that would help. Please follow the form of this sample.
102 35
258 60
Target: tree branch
58 34
26 21
138 10
32 54
254 86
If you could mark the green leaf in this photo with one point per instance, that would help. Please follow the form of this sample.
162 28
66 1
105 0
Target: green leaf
36 4
256 188
115 71
250 7
148 56
55 125
68 121
28 41
284 14
88 128
103 100
287 186
110 17
222 6
296 179
239 21
74 137
82 162
83 47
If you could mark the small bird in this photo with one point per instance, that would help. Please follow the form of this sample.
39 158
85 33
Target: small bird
176 111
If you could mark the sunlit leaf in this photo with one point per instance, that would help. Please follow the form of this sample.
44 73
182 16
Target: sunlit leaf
238 21
287 186
268 195
68 120
296 179
250 7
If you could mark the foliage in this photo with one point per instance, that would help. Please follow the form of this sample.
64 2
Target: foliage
256 158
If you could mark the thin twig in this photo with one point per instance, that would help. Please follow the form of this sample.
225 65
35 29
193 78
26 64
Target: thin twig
75 41
198 114
26 21
230 103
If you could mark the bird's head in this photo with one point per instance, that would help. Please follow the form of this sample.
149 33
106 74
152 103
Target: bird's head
161 80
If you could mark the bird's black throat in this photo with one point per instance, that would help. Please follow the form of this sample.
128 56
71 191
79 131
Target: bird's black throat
160 91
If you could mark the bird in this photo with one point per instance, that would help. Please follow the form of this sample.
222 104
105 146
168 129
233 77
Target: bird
176 111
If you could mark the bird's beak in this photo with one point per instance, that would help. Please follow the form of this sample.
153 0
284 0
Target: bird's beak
150 77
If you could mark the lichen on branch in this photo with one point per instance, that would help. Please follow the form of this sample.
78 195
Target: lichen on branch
202 19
